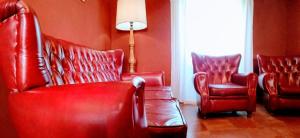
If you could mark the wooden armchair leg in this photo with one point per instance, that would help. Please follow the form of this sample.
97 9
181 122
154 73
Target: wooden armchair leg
201 115
234 112
249 113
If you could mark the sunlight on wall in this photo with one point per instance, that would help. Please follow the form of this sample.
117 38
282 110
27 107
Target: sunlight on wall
215 27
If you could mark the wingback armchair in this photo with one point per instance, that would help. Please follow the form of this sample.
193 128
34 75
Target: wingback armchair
220 87
280 79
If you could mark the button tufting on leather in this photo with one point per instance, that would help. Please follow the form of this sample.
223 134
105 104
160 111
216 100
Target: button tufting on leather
70 64
286 68
219 69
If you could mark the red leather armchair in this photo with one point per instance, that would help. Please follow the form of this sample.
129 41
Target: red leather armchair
220 87
280 79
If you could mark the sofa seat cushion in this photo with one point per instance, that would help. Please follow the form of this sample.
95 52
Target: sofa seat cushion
227 89
289 90
90 110
163 113
165 119
162 92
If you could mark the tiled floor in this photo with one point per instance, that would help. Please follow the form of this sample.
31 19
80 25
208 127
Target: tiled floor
229 125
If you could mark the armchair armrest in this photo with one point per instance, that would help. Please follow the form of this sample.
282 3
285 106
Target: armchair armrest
201 83
95 109
249 80
151 78
269 83
201 86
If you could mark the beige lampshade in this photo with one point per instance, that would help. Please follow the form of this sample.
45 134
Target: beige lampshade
131 11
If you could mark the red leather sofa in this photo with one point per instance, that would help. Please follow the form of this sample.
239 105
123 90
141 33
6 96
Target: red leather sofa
220 87
54 88
280 79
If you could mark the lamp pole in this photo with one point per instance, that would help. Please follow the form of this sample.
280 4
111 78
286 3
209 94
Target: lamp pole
131 60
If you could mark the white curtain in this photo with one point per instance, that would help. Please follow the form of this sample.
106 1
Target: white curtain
210 27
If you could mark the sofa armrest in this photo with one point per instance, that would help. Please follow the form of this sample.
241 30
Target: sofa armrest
201 83
152 79
269 83
140 115
81 110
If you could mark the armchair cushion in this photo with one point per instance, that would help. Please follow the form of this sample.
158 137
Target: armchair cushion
227 89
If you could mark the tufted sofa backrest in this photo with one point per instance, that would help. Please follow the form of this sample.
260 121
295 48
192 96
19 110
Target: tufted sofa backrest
219 69
68 63
286 68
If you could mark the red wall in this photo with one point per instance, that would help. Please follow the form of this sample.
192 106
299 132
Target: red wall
277 27
270 27
83 23
293 47
153 45
93 24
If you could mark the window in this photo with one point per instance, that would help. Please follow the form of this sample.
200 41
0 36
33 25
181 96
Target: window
209 27
216 27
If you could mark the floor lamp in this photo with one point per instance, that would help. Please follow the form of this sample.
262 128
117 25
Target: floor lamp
131 16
